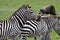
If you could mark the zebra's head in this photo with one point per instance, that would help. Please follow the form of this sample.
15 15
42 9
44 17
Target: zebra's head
56 27
29 14
48 10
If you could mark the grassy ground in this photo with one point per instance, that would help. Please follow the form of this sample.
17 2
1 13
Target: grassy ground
7 8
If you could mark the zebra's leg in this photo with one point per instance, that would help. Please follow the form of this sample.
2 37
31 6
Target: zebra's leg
5 39
24 37
45 37
15 38
35 38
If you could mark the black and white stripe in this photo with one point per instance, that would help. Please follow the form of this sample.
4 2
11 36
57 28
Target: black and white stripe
13 26
30 29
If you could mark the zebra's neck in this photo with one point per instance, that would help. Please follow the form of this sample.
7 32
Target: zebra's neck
19 16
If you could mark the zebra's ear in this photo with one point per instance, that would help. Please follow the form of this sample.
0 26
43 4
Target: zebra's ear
28 6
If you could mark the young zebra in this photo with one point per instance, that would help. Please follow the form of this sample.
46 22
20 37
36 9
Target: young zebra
13 26
52 21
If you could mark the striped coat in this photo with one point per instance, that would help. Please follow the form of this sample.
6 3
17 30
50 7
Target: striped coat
13 26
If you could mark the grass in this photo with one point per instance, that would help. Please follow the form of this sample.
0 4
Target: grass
36 5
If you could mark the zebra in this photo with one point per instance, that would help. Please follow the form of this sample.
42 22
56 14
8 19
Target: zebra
52 21
12 27
33 29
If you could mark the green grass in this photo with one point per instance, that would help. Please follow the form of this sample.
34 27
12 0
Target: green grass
36 5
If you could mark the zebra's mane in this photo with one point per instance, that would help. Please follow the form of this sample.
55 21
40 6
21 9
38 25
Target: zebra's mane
19 9
15 12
